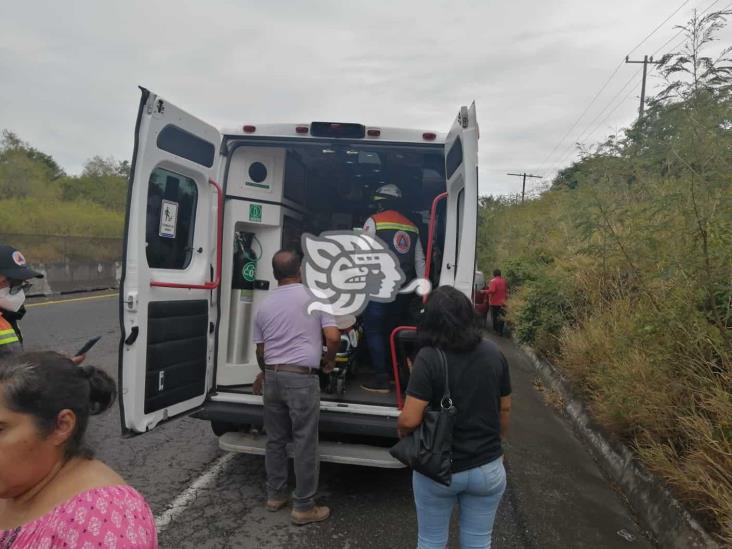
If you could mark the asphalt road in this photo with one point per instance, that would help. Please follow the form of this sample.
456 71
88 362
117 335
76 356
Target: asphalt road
204 498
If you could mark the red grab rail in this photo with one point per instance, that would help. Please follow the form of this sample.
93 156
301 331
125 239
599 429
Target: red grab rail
394 362
427 269
219 243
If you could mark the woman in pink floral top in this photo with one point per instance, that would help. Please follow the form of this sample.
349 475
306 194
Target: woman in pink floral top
52 492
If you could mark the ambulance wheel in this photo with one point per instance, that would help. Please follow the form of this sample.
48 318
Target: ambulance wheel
222 427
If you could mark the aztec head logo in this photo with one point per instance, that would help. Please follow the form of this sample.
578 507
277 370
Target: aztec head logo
344 270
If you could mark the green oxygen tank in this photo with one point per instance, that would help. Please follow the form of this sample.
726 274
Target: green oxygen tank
242 297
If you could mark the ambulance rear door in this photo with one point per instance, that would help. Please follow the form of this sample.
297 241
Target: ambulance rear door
461 172
171 268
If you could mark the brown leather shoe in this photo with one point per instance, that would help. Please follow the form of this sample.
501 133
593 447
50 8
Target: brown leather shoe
276 504
317 513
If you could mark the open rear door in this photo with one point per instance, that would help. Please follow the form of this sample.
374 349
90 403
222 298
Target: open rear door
461 171
171 268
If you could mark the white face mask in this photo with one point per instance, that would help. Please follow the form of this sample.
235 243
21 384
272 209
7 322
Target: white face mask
11 302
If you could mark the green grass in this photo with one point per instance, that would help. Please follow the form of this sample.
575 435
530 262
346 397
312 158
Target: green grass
622 276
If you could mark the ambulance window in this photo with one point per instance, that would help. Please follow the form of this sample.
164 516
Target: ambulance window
186 145
171 212
291 233
454 158
295 179
258 172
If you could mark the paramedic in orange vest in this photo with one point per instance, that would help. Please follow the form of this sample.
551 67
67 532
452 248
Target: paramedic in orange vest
402 237
15 278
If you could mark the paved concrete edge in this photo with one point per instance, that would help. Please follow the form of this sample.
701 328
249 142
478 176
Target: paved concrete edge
47 293
669 521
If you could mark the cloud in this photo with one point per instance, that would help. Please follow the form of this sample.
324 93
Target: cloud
70 69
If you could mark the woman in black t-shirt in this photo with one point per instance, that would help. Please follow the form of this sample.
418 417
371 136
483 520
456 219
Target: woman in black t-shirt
480 387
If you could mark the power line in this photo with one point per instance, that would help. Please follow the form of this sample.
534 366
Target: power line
604 120
571 150
645 62
667 42
609 104
658 27
581 116
594 130
567 152
523 187
590 130
632 79
605 84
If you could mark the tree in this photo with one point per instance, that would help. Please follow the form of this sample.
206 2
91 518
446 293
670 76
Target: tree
689 72
123 169
104 167
11 144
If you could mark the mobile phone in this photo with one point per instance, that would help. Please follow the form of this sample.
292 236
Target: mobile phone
88 345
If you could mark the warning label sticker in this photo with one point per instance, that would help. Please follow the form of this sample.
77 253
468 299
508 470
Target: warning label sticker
168 219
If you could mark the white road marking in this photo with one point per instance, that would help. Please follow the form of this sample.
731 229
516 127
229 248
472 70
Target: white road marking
70 300
188 496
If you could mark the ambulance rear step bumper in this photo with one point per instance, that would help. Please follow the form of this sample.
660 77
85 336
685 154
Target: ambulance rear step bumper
333 452
333 424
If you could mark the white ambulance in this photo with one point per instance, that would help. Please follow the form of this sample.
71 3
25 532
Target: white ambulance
206 206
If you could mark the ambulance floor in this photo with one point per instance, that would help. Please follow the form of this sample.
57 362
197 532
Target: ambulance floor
354 393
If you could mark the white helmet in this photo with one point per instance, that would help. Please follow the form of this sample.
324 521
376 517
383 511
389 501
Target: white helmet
388 192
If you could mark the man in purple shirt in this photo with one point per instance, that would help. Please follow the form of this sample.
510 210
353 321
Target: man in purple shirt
289 348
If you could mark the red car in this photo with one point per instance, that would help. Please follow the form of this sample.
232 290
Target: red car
480 295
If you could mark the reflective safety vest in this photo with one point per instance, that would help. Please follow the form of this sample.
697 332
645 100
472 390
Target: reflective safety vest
399 233
9 340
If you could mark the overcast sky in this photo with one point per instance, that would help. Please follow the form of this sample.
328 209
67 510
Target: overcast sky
69 69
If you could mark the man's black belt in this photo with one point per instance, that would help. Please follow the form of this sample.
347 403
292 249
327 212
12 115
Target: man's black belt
291 368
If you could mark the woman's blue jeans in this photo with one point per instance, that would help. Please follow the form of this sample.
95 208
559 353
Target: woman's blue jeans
477 492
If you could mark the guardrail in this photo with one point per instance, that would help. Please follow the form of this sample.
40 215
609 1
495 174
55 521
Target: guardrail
70 263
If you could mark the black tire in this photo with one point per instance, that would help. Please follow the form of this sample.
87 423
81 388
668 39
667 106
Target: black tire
222 427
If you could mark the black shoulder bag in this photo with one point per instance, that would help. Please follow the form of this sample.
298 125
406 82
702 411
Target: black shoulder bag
428 449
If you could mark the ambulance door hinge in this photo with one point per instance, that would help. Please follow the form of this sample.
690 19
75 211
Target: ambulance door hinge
464 117
131 301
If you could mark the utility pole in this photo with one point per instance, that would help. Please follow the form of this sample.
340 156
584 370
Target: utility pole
523 187
645 62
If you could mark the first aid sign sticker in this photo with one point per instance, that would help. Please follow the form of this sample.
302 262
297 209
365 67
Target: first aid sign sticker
255 213
168 219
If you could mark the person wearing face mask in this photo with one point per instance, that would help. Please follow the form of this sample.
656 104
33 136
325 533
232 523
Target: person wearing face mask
15 278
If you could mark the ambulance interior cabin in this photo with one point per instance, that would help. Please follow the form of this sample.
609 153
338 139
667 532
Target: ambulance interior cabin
275 193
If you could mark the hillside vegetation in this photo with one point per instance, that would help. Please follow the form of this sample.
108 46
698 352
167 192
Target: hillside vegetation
42 208
621 274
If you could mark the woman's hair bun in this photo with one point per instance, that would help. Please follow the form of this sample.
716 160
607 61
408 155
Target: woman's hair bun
102 389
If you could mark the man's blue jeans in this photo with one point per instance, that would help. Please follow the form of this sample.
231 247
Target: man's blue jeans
477 492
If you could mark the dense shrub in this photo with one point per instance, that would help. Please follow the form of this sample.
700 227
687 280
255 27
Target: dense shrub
543 311
622 274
